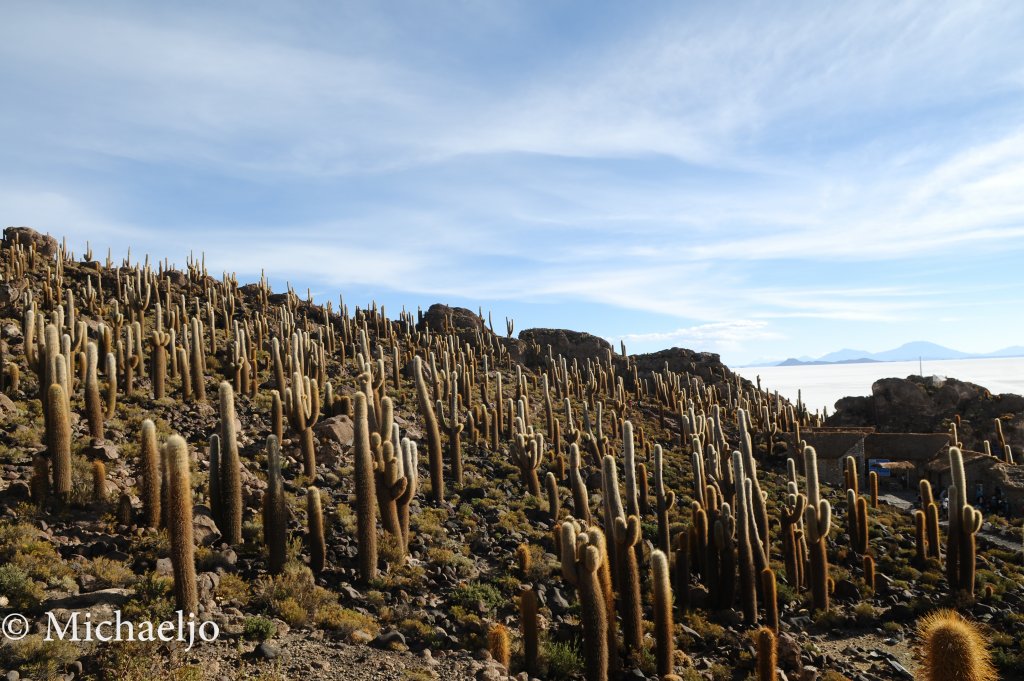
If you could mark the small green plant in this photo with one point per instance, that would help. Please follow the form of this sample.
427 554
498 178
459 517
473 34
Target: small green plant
258 628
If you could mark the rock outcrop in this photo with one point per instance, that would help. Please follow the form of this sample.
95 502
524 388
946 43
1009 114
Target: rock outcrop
929 404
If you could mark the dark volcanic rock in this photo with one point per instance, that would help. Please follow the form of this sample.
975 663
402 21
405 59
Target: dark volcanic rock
45 244
928 404
578 345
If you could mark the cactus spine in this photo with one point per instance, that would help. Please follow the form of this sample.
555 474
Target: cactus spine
499 645
366 502
179 524
953 649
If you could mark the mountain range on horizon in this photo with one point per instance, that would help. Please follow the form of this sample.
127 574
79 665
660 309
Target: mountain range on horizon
907 352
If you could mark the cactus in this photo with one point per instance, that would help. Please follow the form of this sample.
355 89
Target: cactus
664 499
580 499
766 655
873 486
230 467
275 520
302 404
748 593
433 433
93 403
524 561
953 649
499 645
151 474
551 487
850 477
920 538
790 517
931 512
527 455
964 524
410 466
215 489
58 441
771 599
528 618
99 482
179 524
315 536
158 341
124 510
40 479
818 523
869 573
366 502
454 428
663 627
593 613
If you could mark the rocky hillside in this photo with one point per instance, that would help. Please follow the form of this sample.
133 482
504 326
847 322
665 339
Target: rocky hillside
350 496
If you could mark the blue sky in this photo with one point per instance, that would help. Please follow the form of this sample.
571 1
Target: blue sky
761 180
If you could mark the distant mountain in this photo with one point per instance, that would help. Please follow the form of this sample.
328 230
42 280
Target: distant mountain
791 362
1012 351
919 349
844 355
908 352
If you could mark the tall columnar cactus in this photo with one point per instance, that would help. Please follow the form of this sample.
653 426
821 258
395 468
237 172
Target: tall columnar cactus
158 341
748 592
663 628
629 470
454 428
366 502
410 465
817 524
152 475
436 457
93 403
596 538
725 546
931 514
861 510
58 441
528 618
964 524
198 362
302 403
756 499
527 450
216 490
179 517
664 499
594 614
275 512
551 488
954 649
276 415
771 599
315 534
580 498
852 481
873 485
920 538
230 467
790 516
869 573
